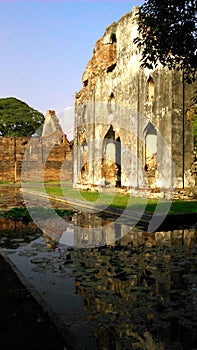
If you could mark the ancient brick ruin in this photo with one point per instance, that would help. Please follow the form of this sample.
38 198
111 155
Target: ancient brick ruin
25 158
129 121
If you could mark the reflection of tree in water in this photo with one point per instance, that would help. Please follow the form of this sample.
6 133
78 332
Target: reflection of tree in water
50 243
139 292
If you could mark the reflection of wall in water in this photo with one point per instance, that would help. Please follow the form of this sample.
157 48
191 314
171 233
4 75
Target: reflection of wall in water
102 231
128 276
94 230
8 224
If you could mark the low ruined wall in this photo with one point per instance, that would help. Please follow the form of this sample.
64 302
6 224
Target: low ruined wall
12 150
52 156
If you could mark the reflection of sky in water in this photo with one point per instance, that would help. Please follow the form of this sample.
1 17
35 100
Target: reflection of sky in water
67 237
131 294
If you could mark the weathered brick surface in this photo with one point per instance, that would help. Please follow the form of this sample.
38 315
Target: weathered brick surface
34 156
132 118
37 158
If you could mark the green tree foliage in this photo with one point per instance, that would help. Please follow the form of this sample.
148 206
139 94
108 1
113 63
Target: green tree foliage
168 33
18 119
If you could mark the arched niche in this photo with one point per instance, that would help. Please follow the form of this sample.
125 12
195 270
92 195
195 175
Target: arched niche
84 166
150 158
111 103
113 38
150 89
111 159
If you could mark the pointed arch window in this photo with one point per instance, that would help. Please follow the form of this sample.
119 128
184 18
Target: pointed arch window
151 89
111 103
150 135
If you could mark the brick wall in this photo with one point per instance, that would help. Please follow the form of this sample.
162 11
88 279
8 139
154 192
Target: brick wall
52 156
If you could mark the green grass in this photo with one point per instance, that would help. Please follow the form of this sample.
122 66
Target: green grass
101 198
6 182
116 200
178 206
125 201
22 213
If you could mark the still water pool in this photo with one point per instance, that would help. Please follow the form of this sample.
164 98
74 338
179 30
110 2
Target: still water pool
136 292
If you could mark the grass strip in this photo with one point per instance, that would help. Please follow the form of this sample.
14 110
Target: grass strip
125 201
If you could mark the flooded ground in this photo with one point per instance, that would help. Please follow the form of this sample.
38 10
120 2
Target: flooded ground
10 196
134 290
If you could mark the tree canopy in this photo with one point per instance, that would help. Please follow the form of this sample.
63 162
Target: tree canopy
168 34
17 118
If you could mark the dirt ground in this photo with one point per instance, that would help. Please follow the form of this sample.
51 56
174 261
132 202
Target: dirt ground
23 323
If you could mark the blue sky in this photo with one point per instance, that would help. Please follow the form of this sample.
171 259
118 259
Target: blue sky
45 46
